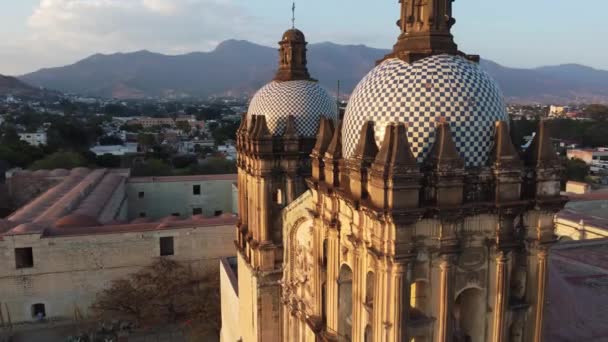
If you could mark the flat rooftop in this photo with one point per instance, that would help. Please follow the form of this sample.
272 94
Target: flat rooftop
577 292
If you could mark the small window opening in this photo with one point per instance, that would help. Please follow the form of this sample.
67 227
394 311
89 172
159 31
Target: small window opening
24 258
196 190
142 214
218 213
166 246
278 197
38 311
141 194
176 214
197 211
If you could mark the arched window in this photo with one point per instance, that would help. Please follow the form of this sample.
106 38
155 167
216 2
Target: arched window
368 337
469 310
419 297
345 303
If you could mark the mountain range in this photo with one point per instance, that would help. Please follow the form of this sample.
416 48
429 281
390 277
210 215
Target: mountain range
240 67
14 86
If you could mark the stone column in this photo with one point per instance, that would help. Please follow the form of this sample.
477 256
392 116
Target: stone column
357 296
446 298
382 303
333 261
402 287
500 302
290 191
540 294
264 197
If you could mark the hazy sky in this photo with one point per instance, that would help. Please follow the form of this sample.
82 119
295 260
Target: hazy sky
521 33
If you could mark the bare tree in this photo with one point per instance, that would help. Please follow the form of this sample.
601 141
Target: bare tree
166 292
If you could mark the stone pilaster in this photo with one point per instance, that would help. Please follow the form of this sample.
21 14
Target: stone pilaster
542 259
446 299
501 297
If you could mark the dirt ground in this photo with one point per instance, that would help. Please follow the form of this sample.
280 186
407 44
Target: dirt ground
59 332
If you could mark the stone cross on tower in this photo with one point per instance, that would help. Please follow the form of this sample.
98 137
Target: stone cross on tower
425 30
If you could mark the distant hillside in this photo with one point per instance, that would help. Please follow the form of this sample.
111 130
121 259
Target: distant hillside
240 67
13 86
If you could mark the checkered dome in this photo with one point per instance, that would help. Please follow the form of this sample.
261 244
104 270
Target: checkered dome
419 94
307 101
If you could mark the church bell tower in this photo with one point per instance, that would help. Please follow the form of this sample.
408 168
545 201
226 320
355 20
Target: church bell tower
274 144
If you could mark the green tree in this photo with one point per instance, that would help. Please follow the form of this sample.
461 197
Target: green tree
59 160
10 136
227 131
115 109
597 112
151 168
109 160
73 135
214 166
146 141
576 170
182 162
184 126
596 135
134 128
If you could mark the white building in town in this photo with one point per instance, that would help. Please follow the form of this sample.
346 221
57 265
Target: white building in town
34 139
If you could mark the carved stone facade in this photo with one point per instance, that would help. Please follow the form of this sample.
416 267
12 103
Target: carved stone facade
272 168
383 245
421 259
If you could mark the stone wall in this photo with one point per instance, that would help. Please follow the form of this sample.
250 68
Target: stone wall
163 197
69 271
230 303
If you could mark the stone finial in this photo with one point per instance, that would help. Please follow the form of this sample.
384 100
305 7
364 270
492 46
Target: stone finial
290 128
507 166
367 149
541 153
395 176
444 154
395 154
261 130
333 157
543 176
243 126
324 138
358 166
445 170
291 143
252 124
504 154
241 131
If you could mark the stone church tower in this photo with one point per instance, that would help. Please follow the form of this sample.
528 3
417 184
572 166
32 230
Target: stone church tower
274 143
423 221
413 219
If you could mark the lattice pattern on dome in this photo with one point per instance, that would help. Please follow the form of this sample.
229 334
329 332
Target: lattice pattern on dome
419 94
307 101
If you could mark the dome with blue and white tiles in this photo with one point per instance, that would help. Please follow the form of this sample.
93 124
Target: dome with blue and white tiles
306 100
419 94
